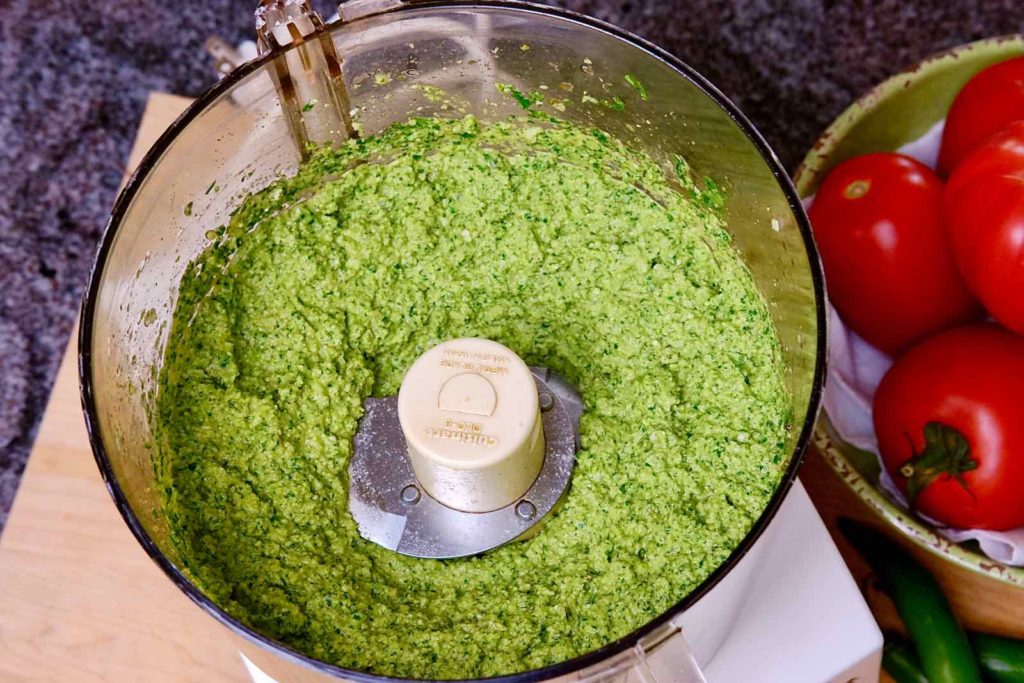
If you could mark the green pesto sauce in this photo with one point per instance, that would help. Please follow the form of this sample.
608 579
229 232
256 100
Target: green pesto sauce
559 242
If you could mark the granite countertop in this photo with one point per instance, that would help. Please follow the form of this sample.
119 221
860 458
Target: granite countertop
76 78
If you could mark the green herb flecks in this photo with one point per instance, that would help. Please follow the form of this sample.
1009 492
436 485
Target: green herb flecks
573 249
637 85
615 104
525 101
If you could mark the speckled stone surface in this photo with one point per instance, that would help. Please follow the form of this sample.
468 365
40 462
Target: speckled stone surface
76 75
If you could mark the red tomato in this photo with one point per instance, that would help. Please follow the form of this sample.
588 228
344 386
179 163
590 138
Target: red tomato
984 207
989 101
888 267
950 424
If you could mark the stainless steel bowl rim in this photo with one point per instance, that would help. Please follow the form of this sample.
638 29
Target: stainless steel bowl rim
151 159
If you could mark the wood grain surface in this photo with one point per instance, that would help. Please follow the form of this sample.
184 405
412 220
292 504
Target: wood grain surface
982 602
81 601
79 598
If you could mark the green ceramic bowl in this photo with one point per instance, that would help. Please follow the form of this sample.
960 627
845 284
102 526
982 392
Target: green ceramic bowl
894 113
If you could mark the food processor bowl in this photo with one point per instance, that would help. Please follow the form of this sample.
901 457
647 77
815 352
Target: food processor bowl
398 60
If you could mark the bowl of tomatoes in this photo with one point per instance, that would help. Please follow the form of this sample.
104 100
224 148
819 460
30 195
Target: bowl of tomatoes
916 199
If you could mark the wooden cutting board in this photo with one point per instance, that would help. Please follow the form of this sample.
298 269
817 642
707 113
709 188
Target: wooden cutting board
81 601
79 598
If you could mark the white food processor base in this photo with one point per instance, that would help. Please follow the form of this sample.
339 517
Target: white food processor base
803 620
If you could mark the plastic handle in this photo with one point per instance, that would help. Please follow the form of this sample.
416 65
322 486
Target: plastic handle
663 656
307 73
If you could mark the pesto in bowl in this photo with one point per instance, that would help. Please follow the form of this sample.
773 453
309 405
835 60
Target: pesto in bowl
578 253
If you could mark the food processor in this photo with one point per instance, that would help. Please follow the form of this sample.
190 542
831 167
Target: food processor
382 62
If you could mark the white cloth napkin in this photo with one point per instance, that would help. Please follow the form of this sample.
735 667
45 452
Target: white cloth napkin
856 368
